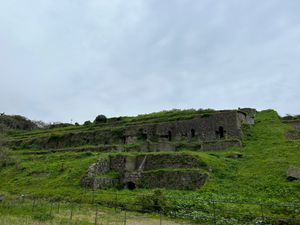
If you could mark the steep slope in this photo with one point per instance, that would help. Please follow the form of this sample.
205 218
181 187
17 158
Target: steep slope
258 176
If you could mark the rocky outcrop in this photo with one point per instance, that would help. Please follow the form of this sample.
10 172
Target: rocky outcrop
101 166
293 173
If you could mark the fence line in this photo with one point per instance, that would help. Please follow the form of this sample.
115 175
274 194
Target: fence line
210 211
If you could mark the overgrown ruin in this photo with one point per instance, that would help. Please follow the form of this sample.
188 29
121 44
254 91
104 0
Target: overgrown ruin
216 131
148 154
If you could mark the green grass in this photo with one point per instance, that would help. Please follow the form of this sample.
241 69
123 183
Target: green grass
60 213
259 176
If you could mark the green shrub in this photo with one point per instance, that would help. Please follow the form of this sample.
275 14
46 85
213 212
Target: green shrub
100 119
155 201
6 158
42 216
87 123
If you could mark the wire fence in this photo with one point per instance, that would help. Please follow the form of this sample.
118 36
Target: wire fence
111 210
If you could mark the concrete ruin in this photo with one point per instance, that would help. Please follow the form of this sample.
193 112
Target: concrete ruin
214 131
153 145
294 133
177 171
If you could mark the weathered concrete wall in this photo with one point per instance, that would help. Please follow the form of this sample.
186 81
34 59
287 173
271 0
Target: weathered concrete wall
245 118
118 163
220 145
295 133
122 163
295 124
73 139
101 166
157 161
218 126
200 128
173 179
99 182
140 169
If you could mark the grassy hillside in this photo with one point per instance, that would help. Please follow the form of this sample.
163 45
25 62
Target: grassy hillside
259 176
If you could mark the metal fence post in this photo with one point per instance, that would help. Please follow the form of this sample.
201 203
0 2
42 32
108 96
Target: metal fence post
125 217
33 205
58 206
51 207
262 213
116 202
214 213
160 218
93 197
71 216
96 215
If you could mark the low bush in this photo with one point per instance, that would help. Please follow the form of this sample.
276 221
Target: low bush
155 201
6 158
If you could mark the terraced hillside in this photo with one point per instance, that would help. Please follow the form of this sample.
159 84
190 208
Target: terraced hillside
252 169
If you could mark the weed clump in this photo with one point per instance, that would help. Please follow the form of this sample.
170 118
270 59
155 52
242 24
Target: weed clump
153 202
6 158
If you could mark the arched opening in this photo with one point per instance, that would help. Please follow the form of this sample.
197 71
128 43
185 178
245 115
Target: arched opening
193 133
130 185
169 135
221 132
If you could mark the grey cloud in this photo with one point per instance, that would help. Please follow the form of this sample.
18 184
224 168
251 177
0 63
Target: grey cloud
62 60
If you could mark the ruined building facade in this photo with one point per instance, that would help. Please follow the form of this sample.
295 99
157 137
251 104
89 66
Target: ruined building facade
216 131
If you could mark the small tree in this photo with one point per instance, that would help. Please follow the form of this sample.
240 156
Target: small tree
87 123
100 119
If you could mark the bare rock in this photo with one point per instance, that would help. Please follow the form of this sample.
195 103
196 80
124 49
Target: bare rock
101 166
235 155
293 173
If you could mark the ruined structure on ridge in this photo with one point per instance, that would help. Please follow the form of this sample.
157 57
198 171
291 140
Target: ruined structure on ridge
177 171
214 131
148 151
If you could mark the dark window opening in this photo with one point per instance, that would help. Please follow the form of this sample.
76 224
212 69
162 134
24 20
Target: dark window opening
193 133
130 185
144 136
169 135
221 132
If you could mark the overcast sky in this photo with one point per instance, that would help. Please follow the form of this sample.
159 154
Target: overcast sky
74 59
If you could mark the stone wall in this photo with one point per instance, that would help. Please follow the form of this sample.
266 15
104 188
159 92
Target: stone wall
295 124
101 166
118 163
293 134
157 161
200 128
173 179
220 145
139 170
220 125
